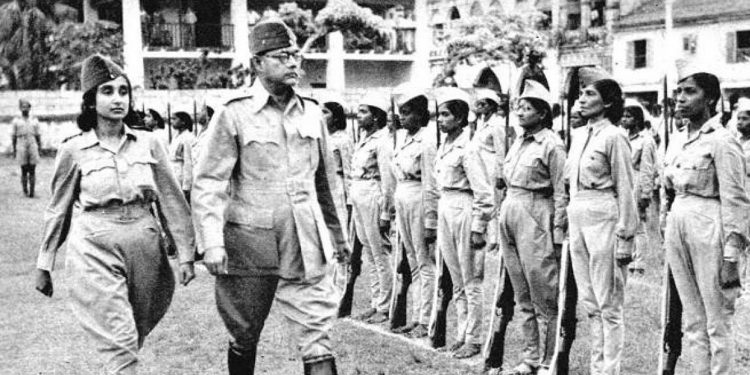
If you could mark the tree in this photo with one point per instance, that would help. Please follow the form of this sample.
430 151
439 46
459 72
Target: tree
72 42
345 15
25 26
493 38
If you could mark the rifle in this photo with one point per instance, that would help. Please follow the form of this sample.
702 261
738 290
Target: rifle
401 281
355 269
671 325
440 301
494 348
566 315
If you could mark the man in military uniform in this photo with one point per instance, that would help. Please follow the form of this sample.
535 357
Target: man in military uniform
276 233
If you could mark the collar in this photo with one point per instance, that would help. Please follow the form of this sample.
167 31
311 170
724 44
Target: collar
713 124
536 136
89 138
408 139
635 136
263 97
597 126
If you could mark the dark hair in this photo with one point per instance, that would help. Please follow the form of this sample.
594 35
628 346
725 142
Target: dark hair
710 85
459 109
419 106
87 119
637 113
157 117
379 116
541 106
187 121
209 112
141 125
611 93
338 116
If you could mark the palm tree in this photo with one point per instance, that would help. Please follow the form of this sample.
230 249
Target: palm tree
25 28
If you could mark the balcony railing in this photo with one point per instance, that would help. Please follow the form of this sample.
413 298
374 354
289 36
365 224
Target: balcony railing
400 40
183 36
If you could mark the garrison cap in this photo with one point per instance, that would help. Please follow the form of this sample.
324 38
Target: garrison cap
535 90
447 94
743 104
376 100
270 35
98 69
487 94
407 92
589 75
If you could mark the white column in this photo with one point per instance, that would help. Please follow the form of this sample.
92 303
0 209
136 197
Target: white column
238 15
556 14
89 12
335 73
420 69
132 41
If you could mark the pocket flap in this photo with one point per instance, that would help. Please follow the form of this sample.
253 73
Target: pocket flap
254 217
252 133
89 166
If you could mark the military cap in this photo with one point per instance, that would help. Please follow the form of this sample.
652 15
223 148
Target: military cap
535 90
407 92
487 94
447 94
270 35
376 100
96 70
743 104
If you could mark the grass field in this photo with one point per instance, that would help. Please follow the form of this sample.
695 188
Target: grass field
40 335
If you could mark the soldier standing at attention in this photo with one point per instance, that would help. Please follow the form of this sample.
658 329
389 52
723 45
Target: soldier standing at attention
643 153
707 224
104 182
532 225
415 200
602 217
181 151
371 201
276 234
464 208
26 145
743 127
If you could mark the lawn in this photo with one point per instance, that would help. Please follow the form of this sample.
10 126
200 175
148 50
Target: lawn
40 335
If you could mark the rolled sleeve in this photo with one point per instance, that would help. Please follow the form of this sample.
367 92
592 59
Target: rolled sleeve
731 174
622 176
57 217
483 202
219 156
173 205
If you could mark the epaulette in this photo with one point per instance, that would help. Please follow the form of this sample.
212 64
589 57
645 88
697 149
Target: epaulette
309 98
71 137
238 98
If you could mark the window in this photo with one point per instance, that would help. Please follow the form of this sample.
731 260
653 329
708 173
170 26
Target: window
689 43
640 54
574 21
597 14
743 46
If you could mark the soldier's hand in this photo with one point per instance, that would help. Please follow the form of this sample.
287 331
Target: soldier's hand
187 273
730 275
499 183
385 227
430 235
477 241
215 260
44 282
623 259
343 255
149 195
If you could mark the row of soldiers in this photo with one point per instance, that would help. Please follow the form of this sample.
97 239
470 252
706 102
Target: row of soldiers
426 211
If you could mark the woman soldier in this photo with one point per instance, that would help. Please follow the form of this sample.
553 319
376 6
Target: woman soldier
370 198
602 217
26 145
415 200
464 208
707 223
342 147
643 153
532 224
181 152
120 281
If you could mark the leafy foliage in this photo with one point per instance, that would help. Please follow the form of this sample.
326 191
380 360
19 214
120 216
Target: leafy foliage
73 42
202 73
361 28
494 37
24 50
299 20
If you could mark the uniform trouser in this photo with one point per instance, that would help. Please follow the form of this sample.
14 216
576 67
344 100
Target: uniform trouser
694 240
365 197
466 266
121 283
310 307
410 214
530 260
592 215
641 241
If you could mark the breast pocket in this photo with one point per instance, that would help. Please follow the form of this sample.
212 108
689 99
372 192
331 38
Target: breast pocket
698 171
262 147
308 152
98 176
138 169
594 169
531 170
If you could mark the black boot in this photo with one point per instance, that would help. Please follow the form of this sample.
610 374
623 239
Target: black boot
24 178
31 178
241 364
322 367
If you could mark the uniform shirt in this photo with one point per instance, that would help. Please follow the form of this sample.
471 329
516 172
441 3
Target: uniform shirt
342 148
89 174
25 132
745 143
536 162
371 160
197 146
458 167
600 159
643 152
180 155
490 138
414 160
269 172
710 164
